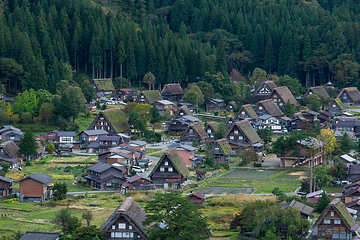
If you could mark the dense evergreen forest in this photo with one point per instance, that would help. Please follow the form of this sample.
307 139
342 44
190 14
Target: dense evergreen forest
43 41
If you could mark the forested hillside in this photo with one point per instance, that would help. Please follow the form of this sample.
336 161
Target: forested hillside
178 41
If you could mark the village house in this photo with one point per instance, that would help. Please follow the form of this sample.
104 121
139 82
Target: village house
149 97
246 112
186 153
210 128
222 151
269 121
242 134
268 107
353 171
5 186
138 145
318 91
314 197
195 132
188 105
335 222
116 155
165 106
9 152
104 87
91 107
297 123
263 92
126 222
347 159
35 188
180 124
66 141
353 185
231 107
349 96
196 198
104 176
172 92
41 236
304 158
309 115
137 182
10 133
305 210
355 206
351 198
215 104
127 93
281 95
324 116
103 144
200 174
229 121
336 106
170 170
88 136
113 121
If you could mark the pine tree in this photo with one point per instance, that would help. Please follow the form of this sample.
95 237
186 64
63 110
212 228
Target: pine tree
28 145
130 62
269 58
220 63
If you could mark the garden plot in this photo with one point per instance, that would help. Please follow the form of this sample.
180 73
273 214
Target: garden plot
250 174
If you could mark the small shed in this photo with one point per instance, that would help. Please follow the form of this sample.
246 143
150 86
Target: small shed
200 174
197 198
347 159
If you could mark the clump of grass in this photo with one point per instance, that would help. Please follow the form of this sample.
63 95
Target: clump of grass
141 196
235 200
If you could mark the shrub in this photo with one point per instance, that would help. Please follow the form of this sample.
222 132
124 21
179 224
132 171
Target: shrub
4 117
257 164
26 117
15 118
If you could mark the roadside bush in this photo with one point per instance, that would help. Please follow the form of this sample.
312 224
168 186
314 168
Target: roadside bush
4 117
257 164
15 118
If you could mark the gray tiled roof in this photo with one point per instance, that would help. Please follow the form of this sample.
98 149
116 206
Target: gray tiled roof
65 134
40 236
5 179
95 132
99 167
39 177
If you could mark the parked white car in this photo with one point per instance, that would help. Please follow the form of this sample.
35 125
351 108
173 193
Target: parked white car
138 169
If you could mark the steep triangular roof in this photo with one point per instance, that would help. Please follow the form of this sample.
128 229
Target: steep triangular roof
183 109
232 103
271 107
248 131
176 161
213 125
285 94
116 118
249 110
319 90
338 102
270 84
341 210
198 129
353 92
152 96
132 212
174 89
104 84
12 149
224 145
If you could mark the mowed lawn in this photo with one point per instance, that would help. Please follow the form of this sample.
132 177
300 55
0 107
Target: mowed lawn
261 181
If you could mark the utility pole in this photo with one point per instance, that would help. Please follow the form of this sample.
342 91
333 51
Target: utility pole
311 176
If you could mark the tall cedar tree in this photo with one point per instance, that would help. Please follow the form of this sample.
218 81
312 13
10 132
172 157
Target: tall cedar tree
28 145
182 220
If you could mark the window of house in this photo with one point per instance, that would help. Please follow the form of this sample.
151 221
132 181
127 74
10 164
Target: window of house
170 169
241 137
332 213
166 185
130 227
335 235
12 138
118 234
236 132
231 137
113 143
337 221
334 105
166 163
122 225
113 227
243 113
281 104
112 234
1 150
260 108
162 169
181 113
209 131
131 235
326 221
230 122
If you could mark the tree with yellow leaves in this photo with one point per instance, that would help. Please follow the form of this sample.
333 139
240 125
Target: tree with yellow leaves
328 139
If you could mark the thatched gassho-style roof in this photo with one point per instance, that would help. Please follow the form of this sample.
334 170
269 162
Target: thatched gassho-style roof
175 160
104 84
285 94
213 125
249 132
152 96
232 103
353 92
174 89
319 90
117 119
271 107
250 111
198 128
132 212
341 210
224 145
339 103
12 149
